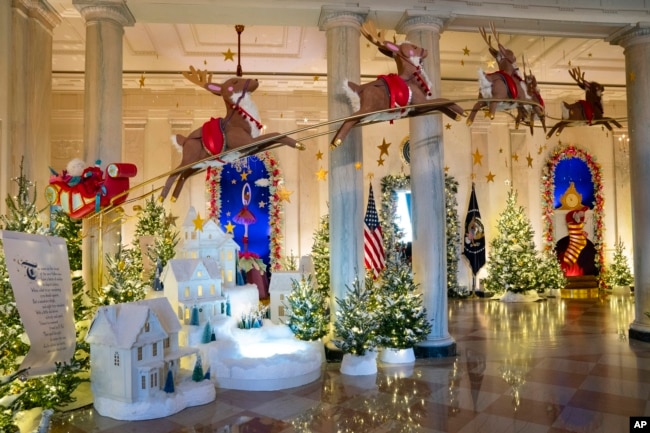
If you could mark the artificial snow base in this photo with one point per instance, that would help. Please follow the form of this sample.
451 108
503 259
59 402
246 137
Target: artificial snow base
397 356
359 365
529 296
159 405
262 359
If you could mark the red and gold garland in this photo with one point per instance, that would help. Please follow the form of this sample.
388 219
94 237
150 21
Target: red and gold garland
562 152
213 181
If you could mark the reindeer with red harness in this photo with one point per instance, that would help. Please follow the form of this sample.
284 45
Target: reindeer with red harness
501 90
588 110
410 86
240 128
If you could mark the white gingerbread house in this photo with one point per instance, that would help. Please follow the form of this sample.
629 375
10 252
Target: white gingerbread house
132 347
205 239
194 284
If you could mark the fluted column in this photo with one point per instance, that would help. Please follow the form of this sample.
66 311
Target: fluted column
30 92
428 192
105 22
345 181
636 43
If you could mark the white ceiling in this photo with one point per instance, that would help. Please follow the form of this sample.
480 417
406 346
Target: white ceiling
283 45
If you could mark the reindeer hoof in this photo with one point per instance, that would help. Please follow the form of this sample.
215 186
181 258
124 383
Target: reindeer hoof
300 146
336 143
161 199
173 199
469 122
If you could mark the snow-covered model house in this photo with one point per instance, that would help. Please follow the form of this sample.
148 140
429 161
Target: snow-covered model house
205 239
194 284
133 346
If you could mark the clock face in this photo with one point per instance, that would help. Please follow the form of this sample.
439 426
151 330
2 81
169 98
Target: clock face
572 200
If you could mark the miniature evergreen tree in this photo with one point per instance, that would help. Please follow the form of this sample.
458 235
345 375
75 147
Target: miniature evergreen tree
321 256
356 323
550 274
124 283
194 316
402 318
197 373
169 383
207 333
512 259
618 273
307 310
154 221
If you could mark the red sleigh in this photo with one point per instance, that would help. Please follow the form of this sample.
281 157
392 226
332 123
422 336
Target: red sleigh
92 190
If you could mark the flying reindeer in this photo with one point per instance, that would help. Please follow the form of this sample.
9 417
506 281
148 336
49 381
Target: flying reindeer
238 129
502 85
527 113
410 86
588 110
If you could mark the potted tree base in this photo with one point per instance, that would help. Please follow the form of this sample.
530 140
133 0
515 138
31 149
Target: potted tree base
359 365
397 356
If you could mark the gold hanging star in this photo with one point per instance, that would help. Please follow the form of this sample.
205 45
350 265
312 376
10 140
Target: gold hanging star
446 169
539 151
141 81
316 78
383 148
170 220
284 194
198 222
465 51
357 165
230 228
228 55
380 161
448 126
530 160
515 157
490 177
462 62
244 175
477 157
319 155
321 174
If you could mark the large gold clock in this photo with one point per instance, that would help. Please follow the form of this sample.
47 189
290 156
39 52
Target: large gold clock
571 199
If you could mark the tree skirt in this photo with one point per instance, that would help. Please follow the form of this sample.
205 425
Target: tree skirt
359 365
529 296
397 356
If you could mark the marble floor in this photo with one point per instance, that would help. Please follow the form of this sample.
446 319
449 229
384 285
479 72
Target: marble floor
559 365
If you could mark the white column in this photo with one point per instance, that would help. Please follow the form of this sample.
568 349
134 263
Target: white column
636 44
428 189
345 181
30 93
102 119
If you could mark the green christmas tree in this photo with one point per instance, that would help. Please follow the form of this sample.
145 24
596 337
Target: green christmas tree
618 273
321 256
197 373
550 274
402 318
512 259
453 235
307 310
124 282
154 221
356 324
21 392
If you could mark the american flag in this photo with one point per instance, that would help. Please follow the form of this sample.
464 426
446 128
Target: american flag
372 240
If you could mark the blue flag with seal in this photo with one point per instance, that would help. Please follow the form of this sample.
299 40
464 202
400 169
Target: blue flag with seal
474 236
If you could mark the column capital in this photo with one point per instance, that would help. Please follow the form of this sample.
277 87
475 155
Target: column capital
114 10
39 10
631 35
420 20
331 16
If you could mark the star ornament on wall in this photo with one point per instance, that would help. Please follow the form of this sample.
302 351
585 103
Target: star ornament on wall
383 148
141 81
477 157
230 228
321 174
284 194
490 177
319 155
530 160
198 222
228 55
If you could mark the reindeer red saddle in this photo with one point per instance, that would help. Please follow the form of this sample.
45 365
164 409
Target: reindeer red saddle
238 129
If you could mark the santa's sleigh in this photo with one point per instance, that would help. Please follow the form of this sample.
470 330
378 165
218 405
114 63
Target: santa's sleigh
92 190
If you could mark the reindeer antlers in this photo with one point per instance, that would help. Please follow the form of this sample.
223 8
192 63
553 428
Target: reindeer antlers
369 31
198 77
488 38
578 76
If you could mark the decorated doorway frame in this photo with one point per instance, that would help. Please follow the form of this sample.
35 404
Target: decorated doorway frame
560 153
275 207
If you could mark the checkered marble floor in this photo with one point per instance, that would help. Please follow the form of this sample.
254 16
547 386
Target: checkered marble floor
559 365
